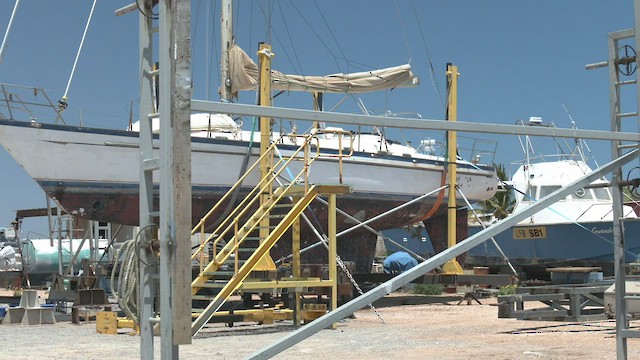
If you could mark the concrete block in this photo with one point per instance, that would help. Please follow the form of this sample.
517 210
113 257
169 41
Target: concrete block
29 298
13 315
632 288
38 316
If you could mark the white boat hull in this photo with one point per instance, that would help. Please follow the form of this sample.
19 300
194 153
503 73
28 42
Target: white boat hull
94 173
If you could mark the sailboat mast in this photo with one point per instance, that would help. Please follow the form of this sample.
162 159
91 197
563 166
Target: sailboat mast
226 31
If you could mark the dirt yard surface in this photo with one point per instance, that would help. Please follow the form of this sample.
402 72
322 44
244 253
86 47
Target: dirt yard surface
440 329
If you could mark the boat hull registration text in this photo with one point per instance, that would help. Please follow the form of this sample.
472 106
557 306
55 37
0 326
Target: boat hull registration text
532 232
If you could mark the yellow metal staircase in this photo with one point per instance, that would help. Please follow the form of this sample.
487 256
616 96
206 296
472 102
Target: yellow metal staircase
262 250
236 231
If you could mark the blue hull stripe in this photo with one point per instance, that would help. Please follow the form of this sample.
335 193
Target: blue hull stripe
241 144
591 241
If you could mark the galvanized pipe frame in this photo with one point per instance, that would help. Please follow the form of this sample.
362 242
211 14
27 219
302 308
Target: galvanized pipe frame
406 123
147 274
622 323
167 272
618 240
437 260
174 165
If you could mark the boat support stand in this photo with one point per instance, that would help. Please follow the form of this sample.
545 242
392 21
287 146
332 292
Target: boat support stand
438 260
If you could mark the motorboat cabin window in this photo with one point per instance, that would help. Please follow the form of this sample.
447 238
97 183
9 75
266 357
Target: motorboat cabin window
602 194
582 194
546 190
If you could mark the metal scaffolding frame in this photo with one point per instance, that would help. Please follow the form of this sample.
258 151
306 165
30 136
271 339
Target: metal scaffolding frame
173 218
623 332
174 163
406 123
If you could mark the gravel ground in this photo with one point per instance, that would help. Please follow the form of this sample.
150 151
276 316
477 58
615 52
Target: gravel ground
438 330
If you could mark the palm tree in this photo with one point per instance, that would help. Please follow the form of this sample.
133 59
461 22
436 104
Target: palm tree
502 203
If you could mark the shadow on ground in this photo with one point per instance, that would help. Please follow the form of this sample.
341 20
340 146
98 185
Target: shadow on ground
608 327
244 329
410 299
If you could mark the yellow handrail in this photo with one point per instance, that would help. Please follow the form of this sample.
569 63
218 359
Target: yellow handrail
248 200
232 220
340 155
202 221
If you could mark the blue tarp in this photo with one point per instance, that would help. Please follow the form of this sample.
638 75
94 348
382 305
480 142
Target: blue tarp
398 262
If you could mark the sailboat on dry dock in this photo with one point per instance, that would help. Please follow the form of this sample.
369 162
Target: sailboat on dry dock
94 173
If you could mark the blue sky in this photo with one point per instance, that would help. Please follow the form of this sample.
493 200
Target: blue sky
517 59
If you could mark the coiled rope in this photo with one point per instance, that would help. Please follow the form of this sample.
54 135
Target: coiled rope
124 286
127 281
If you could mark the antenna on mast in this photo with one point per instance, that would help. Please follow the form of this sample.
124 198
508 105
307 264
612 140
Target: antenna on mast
579 142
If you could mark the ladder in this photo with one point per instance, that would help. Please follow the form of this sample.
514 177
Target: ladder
227 257
622 64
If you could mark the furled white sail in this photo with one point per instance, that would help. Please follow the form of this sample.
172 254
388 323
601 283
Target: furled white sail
244 76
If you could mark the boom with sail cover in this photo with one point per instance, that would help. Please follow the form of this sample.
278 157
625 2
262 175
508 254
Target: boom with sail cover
244 75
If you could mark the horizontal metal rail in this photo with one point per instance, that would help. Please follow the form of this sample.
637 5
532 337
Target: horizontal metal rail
406 123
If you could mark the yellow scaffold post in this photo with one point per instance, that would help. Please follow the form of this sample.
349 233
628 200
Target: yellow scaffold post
452 266
265 54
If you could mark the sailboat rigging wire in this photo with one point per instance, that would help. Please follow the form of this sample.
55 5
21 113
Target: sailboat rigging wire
214 40
251 26
208 18
268 21
404 32
194 40
345 97
6 34
419 198
324 240
63 102
236 16
295 53
331 32
432 72
495 243
316 34
367 222
283 47
372 230
243 169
